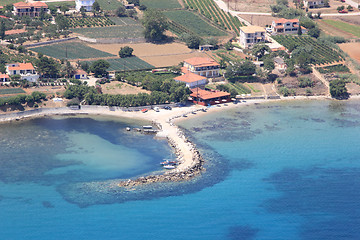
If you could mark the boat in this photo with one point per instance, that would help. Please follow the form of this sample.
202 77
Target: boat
128 129
167 162
169 166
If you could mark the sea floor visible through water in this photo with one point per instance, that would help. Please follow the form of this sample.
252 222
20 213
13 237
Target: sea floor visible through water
279 171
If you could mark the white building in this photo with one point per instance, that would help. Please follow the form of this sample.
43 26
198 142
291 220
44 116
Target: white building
191 79
202 66
313 3
25 70
251 35
286 26
87 4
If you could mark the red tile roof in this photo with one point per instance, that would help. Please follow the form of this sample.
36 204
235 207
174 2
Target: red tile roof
23 66
283 20
80 72
1 7
15 31
4 76
189 77
20 5
206 95
1 16
201 61
39 4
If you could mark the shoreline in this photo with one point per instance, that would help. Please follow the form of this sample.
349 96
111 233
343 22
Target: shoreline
190 159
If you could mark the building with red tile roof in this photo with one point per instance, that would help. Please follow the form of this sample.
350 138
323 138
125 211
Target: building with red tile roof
206 98
4 78
202 66
191 80
80 74
286 26
31 9
25 70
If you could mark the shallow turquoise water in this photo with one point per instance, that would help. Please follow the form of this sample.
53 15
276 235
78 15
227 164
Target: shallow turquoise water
274 171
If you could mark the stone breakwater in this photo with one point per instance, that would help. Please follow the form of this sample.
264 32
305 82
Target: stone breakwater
184 172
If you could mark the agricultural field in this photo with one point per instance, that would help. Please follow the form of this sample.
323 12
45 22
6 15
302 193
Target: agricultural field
211 10
321 52
350 28
334 68
194 23
126 31
239 88
227 56
352 49
127 64
109 4
74 50
59 4
4 91
123 21
161 4
122 88
75 22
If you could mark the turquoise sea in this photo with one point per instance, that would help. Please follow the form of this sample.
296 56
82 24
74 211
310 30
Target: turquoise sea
277 171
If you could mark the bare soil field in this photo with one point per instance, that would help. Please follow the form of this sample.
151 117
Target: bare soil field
347 18
258 20
269 89
250 5
319 88
332 9
352 49
331 30
259 90
116 87
145 49
171 60
353 89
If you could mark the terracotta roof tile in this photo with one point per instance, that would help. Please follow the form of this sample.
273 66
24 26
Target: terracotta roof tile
23 66
4 76
206 95
201 61
190 78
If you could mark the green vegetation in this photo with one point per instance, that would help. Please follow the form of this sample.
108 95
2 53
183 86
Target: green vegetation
211 10
74 50
123 21
127 64
75 22
60 4
161 4
321 53
353 29
125 52
155 25
11 91
126 31
334 68
109 4
338 89
234 88
240 69
305 82
6 2
194 23
252 88
22 99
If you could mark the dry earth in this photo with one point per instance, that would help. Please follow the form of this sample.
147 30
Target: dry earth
250 5
352 49
319 88
170 60
116 87
331 30
258 20
353 89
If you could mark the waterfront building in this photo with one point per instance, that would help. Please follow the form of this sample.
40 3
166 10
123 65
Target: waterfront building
191 80
209 97
202 66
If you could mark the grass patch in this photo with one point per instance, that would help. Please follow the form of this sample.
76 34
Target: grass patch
59 4
74 51
6 2
121 21
161 4
11 91
127 64
126 31
109 4
353 29
252 88
334 68
194 23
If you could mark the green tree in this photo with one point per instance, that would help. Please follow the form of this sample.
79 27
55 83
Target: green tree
121 11
192 41
338 89
155 24
269 64
240 68
125 52
260 50
228 46
68 69
2 29
64 8
62 22
95 8
83 11
47 67
99 68
299 32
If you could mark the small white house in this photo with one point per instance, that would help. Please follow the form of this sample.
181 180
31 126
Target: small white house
87 4
313 3
191 79
25 70
80 74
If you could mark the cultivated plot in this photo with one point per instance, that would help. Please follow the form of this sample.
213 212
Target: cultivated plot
71 50
161 4
127 64
124 32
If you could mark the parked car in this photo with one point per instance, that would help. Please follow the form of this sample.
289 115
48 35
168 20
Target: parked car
343 11
167 108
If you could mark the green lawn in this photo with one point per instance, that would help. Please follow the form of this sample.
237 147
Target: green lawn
126 31
59 4
11 90
6 2
74 51
194 23
161 4
127 64
353 29
123 21
109 4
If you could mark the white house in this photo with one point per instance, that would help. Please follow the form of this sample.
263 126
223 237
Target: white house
87 4
191 79
202 66
31 9
313 3
80 74
25 70
250 35
286 26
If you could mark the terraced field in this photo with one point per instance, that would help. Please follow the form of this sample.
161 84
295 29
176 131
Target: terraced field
109 4
127 64
211 10
74 50
4 91
125 31
193 23
161 4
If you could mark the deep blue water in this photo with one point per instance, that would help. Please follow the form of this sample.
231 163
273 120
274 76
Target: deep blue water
275 171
